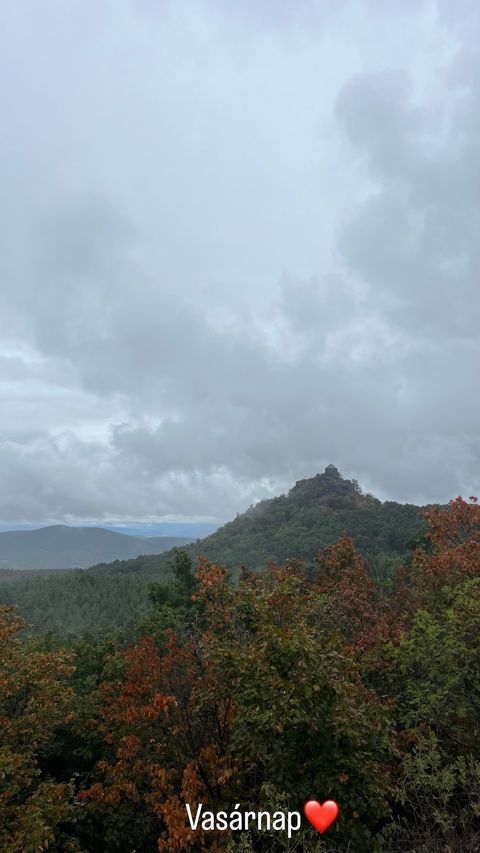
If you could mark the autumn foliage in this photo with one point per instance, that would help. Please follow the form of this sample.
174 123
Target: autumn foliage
34 699
288 685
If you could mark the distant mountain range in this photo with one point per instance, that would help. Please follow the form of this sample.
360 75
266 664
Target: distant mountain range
63 547
188 529
315 513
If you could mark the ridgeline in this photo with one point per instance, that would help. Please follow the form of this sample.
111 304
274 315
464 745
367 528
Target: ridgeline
315 513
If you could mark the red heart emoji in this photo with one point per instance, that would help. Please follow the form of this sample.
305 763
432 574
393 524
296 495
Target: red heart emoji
320 816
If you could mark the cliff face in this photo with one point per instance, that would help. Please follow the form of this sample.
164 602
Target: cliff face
328 488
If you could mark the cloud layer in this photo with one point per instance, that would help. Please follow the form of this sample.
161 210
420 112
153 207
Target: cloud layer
236 246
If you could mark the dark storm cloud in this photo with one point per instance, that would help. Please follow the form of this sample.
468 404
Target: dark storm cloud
229 258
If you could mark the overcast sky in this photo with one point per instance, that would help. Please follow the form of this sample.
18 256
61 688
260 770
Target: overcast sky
239 241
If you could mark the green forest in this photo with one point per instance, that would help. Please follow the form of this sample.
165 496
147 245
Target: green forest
314 677
313 515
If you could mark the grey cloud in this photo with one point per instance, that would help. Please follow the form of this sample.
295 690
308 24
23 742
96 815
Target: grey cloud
156 360
415 238
377 117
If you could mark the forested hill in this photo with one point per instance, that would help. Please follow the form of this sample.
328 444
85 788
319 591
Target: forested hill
313 514
316 512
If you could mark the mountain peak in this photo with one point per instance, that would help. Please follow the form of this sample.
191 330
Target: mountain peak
331 471
315 513
325 487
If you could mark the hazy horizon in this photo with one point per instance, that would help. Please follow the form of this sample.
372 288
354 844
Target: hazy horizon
147 529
